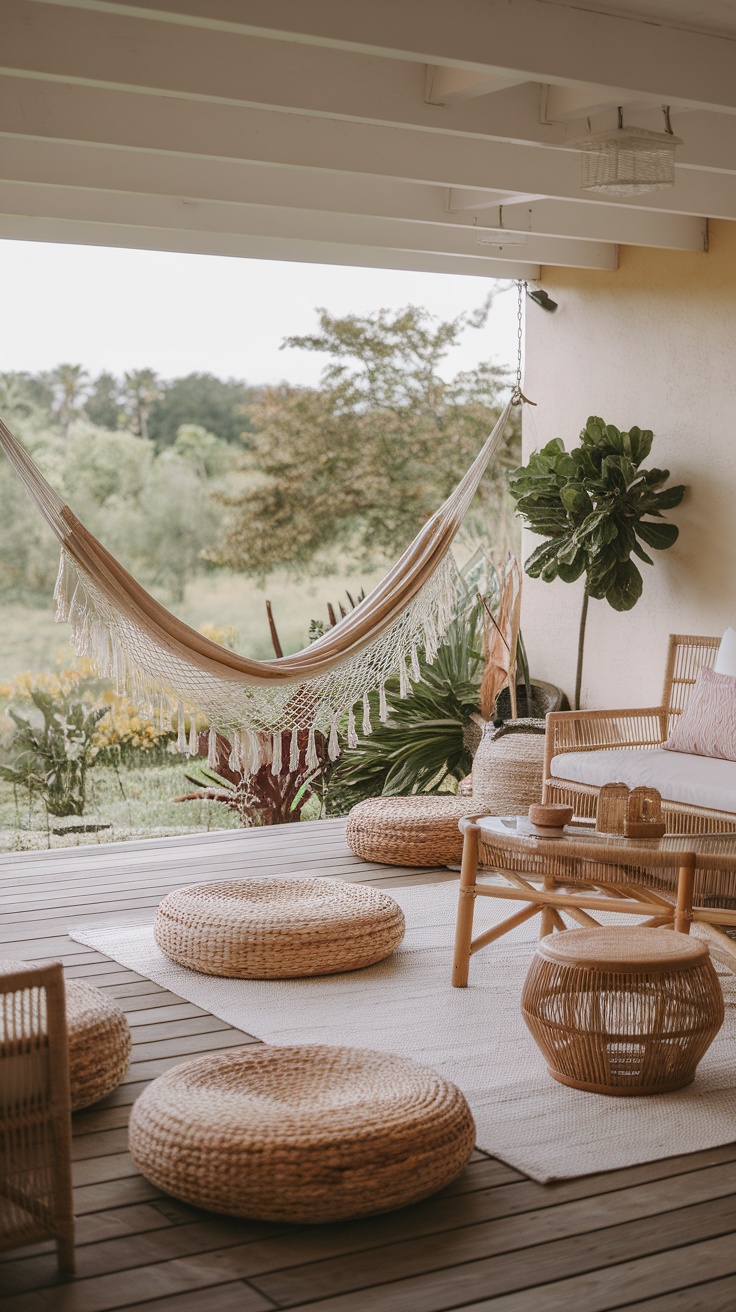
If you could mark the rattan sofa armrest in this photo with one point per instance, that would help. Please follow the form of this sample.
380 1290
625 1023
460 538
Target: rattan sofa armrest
592 731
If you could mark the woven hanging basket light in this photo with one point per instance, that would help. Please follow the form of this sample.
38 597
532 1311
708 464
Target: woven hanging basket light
627 161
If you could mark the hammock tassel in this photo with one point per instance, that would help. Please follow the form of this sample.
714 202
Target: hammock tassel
352 731
367 726
212 749
234 759
312 757
416 673
181 733
294 751
403 680
333 745
382 707
193 747
276 745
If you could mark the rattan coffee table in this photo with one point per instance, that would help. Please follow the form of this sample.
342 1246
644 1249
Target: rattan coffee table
671 881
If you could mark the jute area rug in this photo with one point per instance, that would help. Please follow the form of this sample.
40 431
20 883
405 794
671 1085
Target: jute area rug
476 1037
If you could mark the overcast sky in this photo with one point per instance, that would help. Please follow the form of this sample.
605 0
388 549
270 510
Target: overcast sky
123 309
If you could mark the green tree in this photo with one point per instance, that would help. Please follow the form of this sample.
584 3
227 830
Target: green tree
141 389
103 404
219 406
357 465
69 383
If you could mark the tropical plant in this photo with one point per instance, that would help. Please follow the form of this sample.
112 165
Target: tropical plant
51 756
262 798
595 506
69 382
425 744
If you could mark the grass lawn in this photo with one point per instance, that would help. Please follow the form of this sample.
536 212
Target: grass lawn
134 803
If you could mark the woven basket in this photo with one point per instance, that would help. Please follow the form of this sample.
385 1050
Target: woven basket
301 1134
508 770
278 928
408 831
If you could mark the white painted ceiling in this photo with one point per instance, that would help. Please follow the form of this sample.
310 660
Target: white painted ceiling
395 133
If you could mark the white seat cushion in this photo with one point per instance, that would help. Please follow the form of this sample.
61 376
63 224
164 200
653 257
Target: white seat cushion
694 780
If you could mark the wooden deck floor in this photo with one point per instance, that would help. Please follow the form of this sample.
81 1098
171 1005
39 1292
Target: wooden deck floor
660 1237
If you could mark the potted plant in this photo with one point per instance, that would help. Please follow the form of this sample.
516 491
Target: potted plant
595 506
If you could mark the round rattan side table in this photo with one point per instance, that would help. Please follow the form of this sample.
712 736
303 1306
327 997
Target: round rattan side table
278 928
626 1010
301 1134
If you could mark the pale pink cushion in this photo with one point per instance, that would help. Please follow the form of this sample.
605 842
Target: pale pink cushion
707 726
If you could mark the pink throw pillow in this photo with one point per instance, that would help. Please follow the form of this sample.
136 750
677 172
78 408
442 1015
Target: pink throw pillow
707 726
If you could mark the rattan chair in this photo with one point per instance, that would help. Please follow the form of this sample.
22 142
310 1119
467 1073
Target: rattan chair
35 1112
595 731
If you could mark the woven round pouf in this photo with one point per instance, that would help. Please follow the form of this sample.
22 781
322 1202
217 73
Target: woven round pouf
98 1037
622 1011
306 1134
508 769
279 928
99 1043
408 831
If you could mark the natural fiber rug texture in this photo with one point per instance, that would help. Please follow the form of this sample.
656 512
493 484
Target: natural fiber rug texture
475 1037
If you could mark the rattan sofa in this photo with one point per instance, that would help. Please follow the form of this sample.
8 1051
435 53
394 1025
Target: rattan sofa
570 733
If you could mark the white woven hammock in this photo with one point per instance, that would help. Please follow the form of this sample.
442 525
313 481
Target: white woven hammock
167 667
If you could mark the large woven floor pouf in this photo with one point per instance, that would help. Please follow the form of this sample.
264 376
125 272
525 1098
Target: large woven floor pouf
408 831
302 1134
278 928
98 1037
99 1043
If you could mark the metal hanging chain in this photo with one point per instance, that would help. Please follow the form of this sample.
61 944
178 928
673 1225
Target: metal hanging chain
517 396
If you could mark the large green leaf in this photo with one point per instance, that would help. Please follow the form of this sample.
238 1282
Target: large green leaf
658 536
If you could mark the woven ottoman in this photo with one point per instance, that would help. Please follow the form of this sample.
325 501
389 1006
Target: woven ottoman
302 1134
627 1010
408 831
99 1043
98 1037
279 928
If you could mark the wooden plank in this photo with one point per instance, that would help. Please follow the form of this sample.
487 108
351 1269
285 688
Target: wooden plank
618 1285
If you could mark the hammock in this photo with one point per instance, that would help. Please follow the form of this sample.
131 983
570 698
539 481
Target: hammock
165 666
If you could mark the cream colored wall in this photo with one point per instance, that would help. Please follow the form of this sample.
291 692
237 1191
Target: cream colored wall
655 345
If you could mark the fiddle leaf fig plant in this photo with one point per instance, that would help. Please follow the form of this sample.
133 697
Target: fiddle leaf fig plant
597 509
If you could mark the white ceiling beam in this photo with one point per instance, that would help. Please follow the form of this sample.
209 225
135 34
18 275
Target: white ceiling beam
270 221
592 222
570 104
542 41
65 45
88 233
54 111
60 164
448 86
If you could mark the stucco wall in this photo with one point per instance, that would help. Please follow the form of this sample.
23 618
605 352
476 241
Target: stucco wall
653 344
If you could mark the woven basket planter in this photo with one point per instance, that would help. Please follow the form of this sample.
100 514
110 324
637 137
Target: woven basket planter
99 1043
622 1011
408 831
278 928
301 1134
508 771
